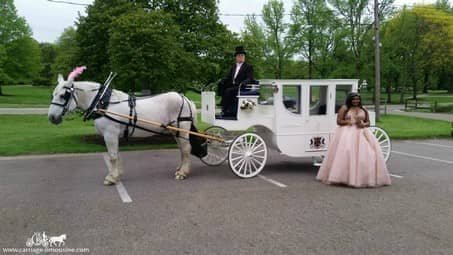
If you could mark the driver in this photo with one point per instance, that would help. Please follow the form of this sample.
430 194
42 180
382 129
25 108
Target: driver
240 74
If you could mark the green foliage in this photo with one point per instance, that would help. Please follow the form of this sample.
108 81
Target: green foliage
48 55
93 36
194 35
15 38
276 30
12 27
254 41
418 50
145 51
206 40
269 46
314 32
67 52
23 60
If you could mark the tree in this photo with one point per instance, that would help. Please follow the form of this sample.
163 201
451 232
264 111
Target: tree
418 45
93 35
205 39
48 55
145 51
356 18
314 30
436 46
209 43
12 27
276 29
23 60
67 53
255 42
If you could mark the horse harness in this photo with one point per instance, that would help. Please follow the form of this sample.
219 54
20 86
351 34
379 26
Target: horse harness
69 93
102 102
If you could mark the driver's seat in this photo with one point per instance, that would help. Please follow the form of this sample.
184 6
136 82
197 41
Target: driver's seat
250 89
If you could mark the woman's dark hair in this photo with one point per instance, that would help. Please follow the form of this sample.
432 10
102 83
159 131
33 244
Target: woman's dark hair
349 102
350 97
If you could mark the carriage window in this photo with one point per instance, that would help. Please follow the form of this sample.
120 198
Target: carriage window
318 100
266 95
291 98
340 95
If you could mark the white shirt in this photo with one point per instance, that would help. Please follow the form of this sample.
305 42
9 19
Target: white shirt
238 67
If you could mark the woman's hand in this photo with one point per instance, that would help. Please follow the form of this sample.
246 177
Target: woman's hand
362 124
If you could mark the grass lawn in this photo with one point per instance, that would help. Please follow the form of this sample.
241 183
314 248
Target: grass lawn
403 127
25 96
33 134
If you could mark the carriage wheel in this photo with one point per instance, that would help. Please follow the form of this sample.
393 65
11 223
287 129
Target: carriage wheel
217 151
247 155
384 141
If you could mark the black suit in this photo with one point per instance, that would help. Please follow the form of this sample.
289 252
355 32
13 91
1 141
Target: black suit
229 86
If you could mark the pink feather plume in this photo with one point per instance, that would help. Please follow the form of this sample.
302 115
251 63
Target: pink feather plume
76 72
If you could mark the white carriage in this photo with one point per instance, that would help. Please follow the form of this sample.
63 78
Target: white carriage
295 117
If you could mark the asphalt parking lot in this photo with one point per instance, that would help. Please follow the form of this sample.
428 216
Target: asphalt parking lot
283 211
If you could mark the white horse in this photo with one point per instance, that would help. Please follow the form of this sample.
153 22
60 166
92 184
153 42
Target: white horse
57 240
164 108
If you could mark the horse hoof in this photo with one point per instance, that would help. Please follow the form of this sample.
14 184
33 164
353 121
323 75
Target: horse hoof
180 177
110 180
108 183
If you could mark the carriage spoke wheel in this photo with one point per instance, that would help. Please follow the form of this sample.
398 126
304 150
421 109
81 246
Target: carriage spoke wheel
217 151
247 155
383 140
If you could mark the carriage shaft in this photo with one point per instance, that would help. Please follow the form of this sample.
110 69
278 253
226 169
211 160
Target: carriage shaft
158 124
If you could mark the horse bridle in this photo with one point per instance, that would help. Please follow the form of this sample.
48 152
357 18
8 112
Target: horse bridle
69 93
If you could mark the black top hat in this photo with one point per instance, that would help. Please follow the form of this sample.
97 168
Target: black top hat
240 50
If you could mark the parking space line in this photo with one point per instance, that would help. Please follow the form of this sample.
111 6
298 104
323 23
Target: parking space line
279 184
123 193
119 185
422 157
432 144
396 176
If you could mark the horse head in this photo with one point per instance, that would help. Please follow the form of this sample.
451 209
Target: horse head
63 97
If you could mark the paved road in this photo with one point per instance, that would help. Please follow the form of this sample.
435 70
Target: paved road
23 110
214 212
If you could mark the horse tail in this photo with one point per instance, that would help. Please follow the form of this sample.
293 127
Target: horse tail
193 107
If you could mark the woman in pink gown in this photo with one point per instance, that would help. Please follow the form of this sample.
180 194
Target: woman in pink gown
354 157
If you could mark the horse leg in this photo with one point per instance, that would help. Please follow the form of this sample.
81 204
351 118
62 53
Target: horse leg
111 141
185 148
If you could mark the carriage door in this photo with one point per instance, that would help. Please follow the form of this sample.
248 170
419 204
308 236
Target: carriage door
288 124
317 122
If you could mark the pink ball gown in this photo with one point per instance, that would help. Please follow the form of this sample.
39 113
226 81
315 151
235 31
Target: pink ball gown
354 157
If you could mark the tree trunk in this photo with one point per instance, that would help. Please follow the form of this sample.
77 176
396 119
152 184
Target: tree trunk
403 89
1 93
389 94
425 83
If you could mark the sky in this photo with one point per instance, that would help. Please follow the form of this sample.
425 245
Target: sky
49 19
